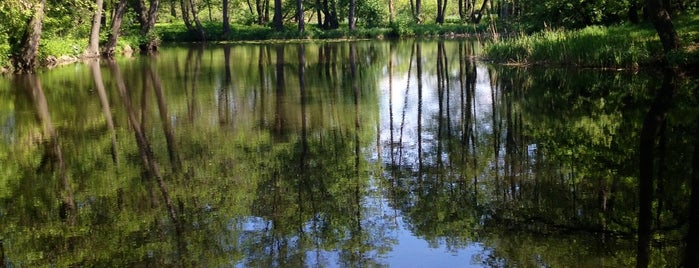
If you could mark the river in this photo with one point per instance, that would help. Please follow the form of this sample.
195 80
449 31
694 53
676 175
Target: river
409 153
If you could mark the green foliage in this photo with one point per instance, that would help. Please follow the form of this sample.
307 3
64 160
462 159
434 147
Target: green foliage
572 14
4 54
372 13
60 47
593 46
626 46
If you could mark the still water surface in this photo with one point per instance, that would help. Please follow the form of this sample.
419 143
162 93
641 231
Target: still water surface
396 153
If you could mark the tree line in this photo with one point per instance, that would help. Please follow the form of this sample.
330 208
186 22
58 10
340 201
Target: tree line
26 22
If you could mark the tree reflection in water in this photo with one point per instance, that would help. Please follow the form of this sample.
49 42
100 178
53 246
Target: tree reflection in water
344 154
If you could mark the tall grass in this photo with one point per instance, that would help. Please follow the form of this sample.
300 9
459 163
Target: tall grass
594 46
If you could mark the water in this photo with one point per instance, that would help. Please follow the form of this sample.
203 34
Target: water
373 153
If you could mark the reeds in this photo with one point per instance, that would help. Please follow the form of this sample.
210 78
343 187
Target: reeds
593 46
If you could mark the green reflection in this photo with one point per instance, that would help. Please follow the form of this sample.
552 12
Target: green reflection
331 154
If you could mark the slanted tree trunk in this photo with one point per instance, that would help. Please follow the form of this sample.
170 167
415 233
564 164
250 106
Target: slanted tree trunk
476 18
117 18
200 28
277 19
93 45
350 17
662 22
184 6
25 59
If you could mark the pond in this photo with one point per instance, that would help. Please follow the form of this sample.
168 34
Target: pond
406 153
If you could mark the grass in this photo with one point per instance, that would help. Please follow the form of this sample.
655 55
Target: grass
621 46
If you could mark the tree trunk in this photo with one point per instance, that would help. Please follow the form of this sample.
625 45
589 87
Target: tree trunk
663 24
200 28
277 19
147 20
25 60
226 22
319 13
350 17
391 13
184 6
116 27
440 12
260 11
477 18
418 11
299 15
93 45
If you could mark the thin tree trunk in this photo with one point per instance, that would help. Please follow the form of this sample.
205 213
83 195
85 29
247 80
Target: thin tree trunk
117 18
200 28
93 45
299 15
226 22
476 18
391 13
350 17
260 10
319 13
440 12
25 60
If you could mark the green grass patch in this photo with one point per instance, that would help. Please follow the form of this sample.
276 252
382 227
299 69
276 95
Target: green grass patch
621 46
57 47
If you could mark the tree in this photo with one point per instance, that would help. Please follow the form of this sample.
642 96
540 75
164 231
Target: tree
277 19
117 18
226 23
350 17
147 17
416 8
28 47
441 9
93 45
299 15
662 22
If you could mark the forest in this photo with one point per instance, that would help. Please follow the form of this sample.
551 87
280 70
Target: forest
42 33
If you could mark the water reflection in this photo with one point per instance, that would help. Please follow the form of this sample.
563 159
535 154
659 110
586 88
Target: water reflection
402 153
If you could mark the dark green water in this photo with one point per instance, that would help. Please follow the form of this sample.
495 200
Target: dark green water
404 154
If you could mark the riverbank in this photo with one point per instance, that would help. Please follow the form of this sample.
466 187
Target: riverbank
620 46
627 46
52 50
